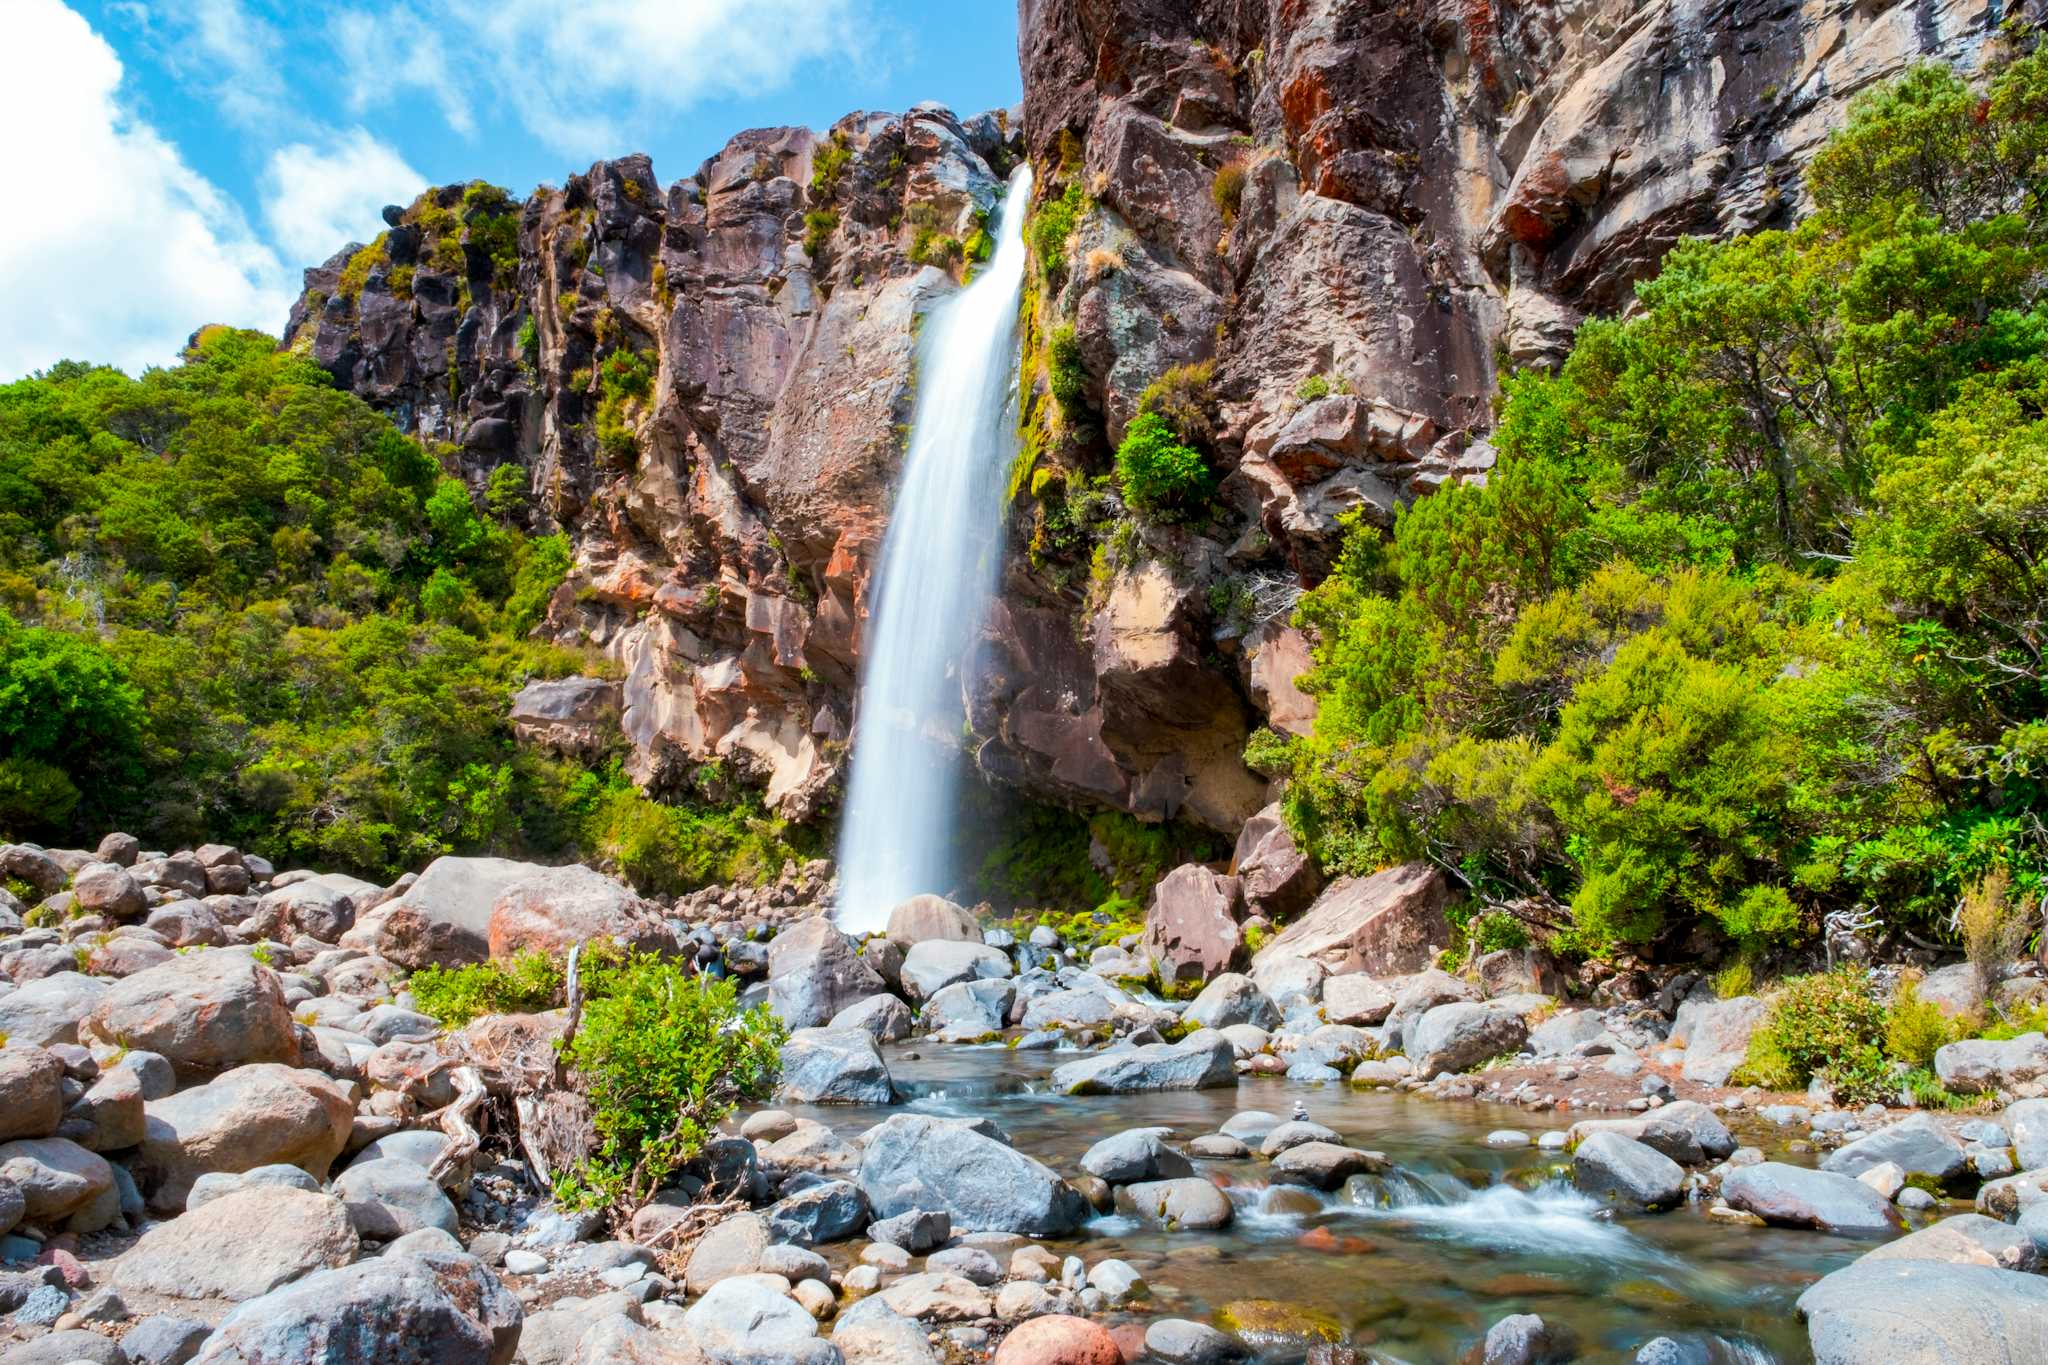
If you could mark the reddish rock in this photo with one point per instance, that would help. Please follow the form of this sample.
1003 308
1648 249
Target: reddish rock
1279 880
1191 930
1059 1340
206 1012
560 907
1386 924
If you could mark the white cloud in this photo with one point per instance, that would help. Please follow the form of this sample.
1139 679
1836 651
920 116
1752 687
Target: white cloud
238 55
317 198
123 249
577 75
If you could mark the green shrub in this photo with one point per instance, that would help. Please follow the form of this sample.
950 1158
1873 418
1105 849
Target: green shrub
1159 473
356 272
663 1056
528 983
1053 224
1065 372
829 160
1314 387
529 341
1184 396
1914 1028
818 228
1812 1024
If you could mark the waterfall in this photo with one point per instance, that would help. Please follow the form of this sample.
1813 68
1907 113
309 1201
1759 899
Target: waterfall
940 561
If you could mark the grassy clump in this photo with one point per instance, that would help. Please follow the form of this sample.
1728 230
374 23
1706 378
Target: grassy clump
523 984
1053 225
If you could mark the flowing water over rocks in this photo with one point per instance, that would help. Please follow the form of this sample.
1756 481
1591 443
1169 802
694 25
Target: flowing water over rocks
1417 1262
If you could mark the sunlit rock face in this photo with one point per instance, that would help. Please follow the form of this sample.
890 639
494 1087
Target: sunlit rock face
1430 194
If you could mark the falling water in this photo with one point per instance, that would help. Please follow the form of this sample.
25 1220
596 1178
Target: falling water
938 572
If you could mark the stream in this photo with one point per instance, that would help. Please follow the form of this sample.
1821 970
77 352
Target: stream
1458 1236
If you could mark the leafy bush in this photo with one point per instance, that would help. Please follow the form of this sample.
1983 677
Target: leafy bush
663 1057
527 983
674 848
1811 1025
1158 472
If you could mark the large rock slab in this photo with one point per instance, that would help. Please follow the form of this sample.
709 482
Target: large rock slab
444 918
206 1012
834 1066
1925 1313
813 973
437 1306
557 908
260 1115
1198 1063
1386 924
1232 998
1797 1197
1965 1239
1191 930
239 1246
914 1161
1980 1065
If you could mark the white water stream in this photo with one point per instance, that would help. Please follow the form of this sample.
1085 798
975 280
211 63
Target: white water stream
940 562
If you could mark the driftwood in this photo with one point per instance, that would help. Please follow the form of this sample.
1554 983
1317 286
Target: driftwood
456 1121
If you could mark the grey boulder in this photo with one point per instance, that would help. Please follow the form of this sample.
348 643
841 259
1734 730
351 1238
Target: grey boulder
1925 1313
1199 1062
1794 1196
435 1307
834 1066
914 1161
1628 1173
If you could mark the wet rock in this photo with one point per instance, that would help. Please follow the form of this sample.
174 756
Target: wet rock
1385 924
1622 1171
1189 1204
1278 1326
204 1012
1684 1130
834 1066
1133 1155
914 1161
1180 1342
1523 1339
1458 1036
240 1246
1917 1144
438 1307
1191 927
1232 999
1059 1340
1324 1165
1797 1197
1923 1313
1197 1063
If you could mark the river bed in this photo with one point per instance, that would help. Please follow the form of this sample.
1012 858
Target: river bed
1462 1235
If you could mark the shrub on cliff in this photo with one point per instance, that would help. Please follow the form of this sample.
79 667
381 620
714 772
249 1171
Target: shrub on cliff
1160 474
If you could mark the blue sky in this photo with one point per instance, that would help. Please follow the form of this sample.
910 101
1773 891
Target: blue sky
180 161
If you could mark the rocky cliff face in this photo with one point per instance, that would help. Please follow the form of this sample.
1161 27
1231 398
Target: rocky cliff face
1358 213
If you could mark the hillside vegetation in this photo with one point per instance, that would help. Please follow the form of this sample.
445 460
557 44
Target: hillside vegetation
1747 627
236 605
